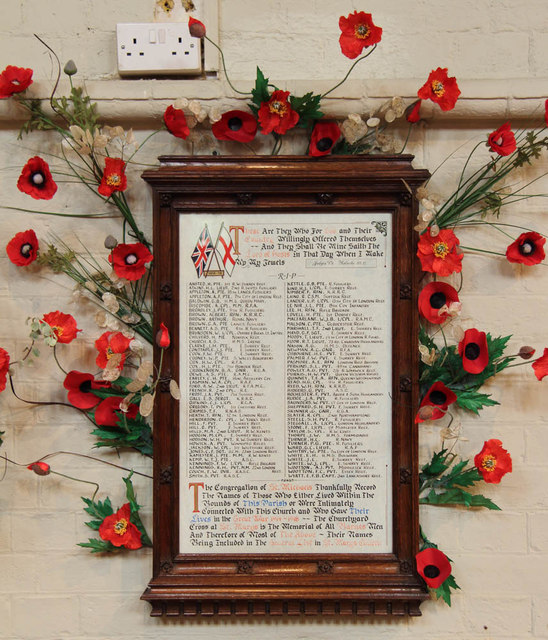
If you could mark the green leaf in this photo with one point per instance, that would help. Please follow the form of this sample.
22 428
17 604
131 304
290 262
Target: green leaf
94 524
471 400
307 107
437 465
134 508
444 590
99 510
459 496
98 546
260 92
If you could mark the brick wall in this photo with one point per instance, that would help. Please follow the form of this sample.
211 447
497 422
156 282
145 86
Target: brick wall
51 589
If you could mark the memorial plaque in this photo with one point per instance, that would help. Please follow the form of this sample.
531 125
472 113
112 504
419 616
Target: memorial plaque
289 287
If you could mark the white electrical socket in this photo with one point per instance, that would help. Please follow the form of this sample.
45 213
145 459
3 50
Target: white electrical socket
157 49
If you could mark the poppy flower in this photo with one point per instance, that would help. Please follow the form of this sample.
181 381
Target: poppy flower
40 468
109 344
276 114
22 249
114 177
441 89
438 254
105 413
235 125
434 566
473 351
162 337
357 33
119 530
196 28
63 325
540 366
323 138
14 80
435 301
79 386
493 461
36 180
527 249
175 122
413 112
129 260
4 367
439 397
502 141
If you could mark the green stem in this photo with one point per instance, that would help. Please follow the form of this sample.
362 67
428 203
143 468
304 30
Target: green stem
349 72
63 475
57 360
242 93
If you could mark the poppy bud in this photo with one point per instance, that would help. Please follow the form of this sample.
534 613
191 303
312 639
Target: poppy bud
70 68
162 337
196 28
110 242
526 352
39 468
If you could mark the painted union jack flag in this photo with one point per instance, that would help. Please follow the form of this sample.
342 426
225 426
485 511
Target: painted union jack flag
202 252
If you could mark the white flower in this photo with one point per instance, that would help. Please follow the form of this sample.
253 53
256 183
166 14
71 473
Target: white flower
202 115
215 115
130 318
127 332
136 346
111 374
398 106
453 309
112 323
194 107
390 115
181 103
353 128
101 319
111 302
427 356
373 122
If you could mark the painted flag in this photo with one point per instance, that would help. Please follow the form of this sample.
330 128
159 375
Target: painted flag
225 250
202 252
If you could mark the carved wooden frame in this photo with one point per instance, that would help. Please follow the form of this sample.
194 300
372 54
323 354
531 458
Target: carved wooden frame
293 584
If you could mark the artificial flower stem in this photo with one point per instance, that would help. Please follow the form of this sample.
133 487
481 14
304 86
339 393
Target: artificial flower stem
495 253
242 93
349 72
62 215
83 455
57 360
63 475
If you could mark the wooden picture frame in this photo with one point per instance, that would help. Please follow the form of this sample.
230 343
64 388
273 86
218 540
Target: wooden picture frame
243 581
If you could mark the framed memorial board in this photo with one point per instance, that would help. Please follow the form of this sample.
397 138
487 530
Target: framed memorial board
285 478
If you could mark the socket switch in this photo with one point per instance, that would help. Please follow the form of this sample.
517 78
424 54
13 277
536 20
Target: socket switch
155 48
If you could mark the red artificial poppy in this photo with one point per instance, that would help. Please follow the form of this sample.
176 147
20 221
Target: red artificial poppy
129 260
63 325
439 397
109 344
162 337
502 141
357 33
36 180
175 122
39 468
4 367
527 249
196 28
105 414
434 566
276 114
22 249
440 89
235 125
323 138
434 301
438 254
14 80
493 461
119 530
413 112
114 177
473 351
80 389
540 366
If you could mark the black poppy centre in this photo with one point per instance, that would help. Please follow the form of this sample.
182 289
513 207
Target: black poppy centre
235 124
38 179
431 571
25 249
437 397
324 144
527 248
85 387
437 300
472 351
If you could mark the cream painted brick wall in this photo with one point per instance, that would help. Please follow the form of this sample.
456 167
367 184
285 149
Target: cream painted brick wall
49 588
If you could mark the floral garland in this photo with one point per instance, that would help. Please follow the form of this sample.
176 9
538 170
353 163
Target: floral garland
118 400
